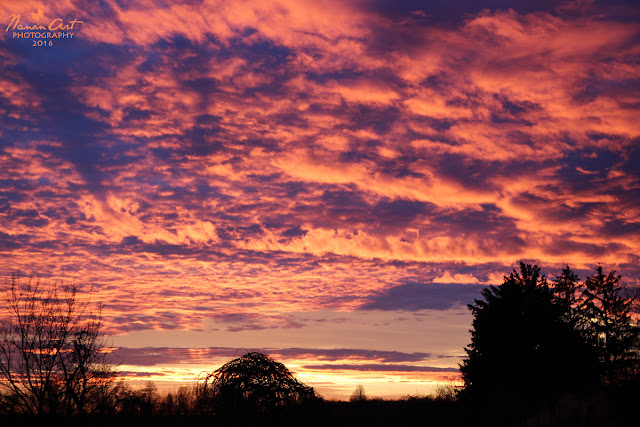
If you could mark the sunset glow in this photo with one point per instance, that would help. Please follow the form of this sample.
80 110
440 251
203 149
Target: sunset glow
330 182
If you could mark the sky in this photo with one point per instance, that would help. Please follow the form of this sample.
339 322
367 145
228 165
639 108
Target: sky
329 182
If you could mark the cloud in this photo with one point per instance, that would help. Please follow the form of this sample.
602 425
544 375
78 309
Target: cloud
456 278
350 354
148 356
421 296
212 165
236 322
380 368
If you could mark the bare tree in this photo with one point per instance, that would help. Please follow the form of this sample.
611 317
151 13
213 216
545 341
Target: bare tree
358 394
51 349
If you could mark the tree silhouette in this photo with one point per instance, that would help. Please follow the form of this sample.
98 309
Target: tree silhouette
254 384
609 325
144 401
358 394
566 288
50 350
521 345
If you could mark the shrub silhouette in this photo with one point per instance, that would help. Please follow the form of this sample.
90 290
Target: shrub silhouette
254 384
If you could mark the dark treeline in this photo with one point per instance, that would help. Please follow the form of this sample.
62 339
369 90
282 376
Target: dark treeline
542 352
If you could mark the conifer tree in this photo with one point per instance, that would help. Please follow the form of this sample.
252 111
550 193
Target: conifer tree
566 288
522 346
609 325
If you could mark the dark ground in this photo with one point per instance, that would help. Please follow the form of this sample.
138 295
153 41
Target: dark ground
619 407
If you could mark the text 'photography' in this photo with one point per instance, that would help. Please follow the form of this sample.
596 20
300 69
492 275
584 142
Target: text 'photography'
320 212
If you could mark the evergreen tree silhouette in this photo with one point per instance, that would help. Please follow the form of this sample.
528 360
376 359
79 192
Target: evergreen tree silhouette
609 325
522 348
566 288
